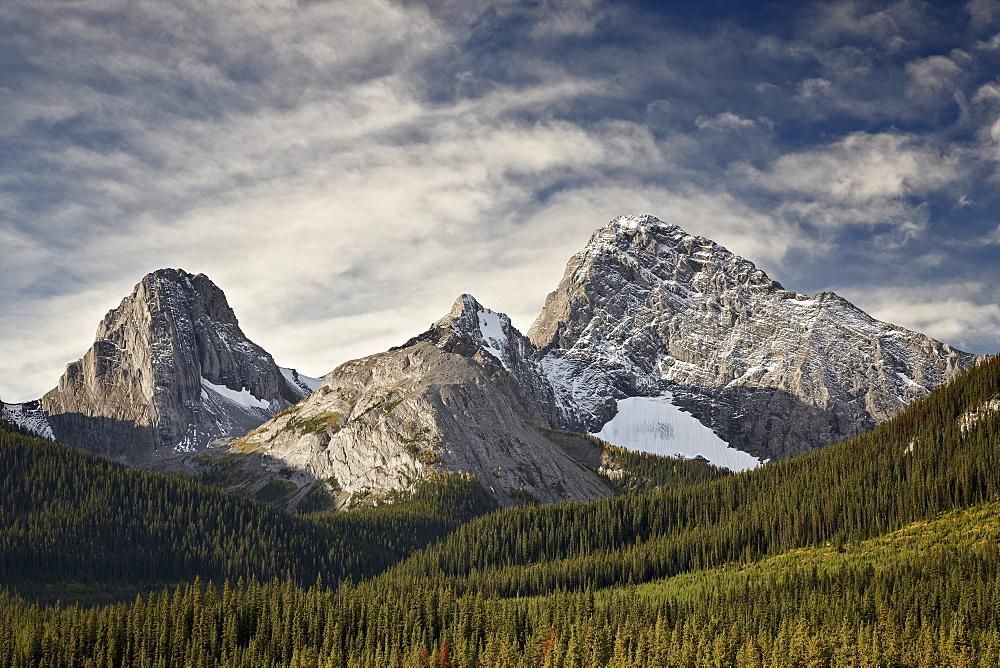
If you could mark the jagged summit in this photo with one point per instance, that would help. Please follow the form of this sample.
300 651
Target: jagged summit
466 395
634 251
646 309
170 370
489 329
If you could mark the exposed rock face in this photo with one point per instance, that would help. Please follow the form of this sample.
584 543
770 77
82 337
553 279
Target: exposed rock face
28 416
646 308
170 370
445 401
492 332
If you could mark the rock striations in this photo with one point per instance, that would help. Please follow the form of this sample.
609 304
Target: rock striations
647 309
464 396
170 371
653 337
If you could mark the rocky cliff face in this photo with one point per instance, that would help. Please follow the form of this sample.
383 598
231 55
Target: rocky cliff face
646 309
493 336
170 370
28 416
463 396
645 312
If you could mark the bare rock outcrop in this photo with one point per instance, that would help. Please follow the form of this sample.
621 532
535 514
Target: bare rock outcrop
646 308
170 371
444 402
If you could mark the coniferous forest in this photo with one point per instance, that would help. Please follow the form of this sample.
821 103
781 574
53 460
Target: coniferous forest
880 550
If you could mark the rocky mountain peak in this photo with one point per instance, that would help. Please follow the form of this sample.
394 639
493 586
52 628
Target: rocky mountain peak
163 286
466 396
646 309
630 258
490 330
170 369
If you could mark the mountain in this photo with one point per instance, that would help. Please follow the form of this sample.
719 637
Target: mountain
648 311
465 396
654 340
170 371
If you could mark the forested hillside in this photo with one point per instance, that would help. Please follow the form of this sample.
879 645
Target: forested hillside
927 595
938 455
882 550
77 525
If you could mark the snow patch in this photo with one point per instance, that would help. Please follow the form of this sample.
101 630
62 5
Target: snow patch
185 445
28 416
240 398
655 425
495 340
297 381
909 382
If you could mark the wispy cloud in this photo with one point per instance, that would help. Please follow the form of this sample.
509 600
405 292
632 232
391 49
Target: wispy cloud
344 169
965 314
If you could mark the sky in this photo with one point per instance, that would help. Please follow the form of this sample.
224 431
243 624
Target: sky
344 170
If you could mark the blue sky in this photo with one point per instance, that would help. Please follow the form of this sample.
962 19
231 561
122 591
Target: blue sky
344 170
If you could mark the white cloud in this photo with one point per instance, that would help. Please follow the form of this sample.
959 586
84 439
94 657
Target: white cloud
728 121
814 87
982 13
890 26
343 170
861 170
991 44
935 74
992 238
967 315
569 17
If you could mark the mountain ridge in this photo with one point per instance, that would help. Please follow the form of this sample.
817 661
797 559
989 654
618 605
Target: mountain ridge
645 309
690 334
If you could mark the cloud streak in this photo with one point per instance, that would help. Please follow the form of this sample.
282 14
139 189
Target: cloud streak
343 170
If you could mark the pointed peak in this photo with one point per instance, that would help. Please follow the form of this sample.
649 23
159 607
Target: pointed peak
466 314
651 227
466 303
170 274
634 222
198 282
181 293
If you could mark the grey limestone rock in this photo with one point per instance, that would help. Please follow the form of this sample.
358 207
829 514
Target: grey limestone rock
170 371
445 402
646 308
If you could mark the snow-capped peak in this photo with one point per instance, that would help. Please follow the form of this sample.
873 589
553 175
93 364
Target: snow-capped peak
489 329
646 308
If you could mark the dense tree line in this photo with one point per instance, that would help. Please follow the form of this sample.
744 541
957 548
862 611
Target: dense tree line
74 523
887 602
918 464
838 557
630 472
69 518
